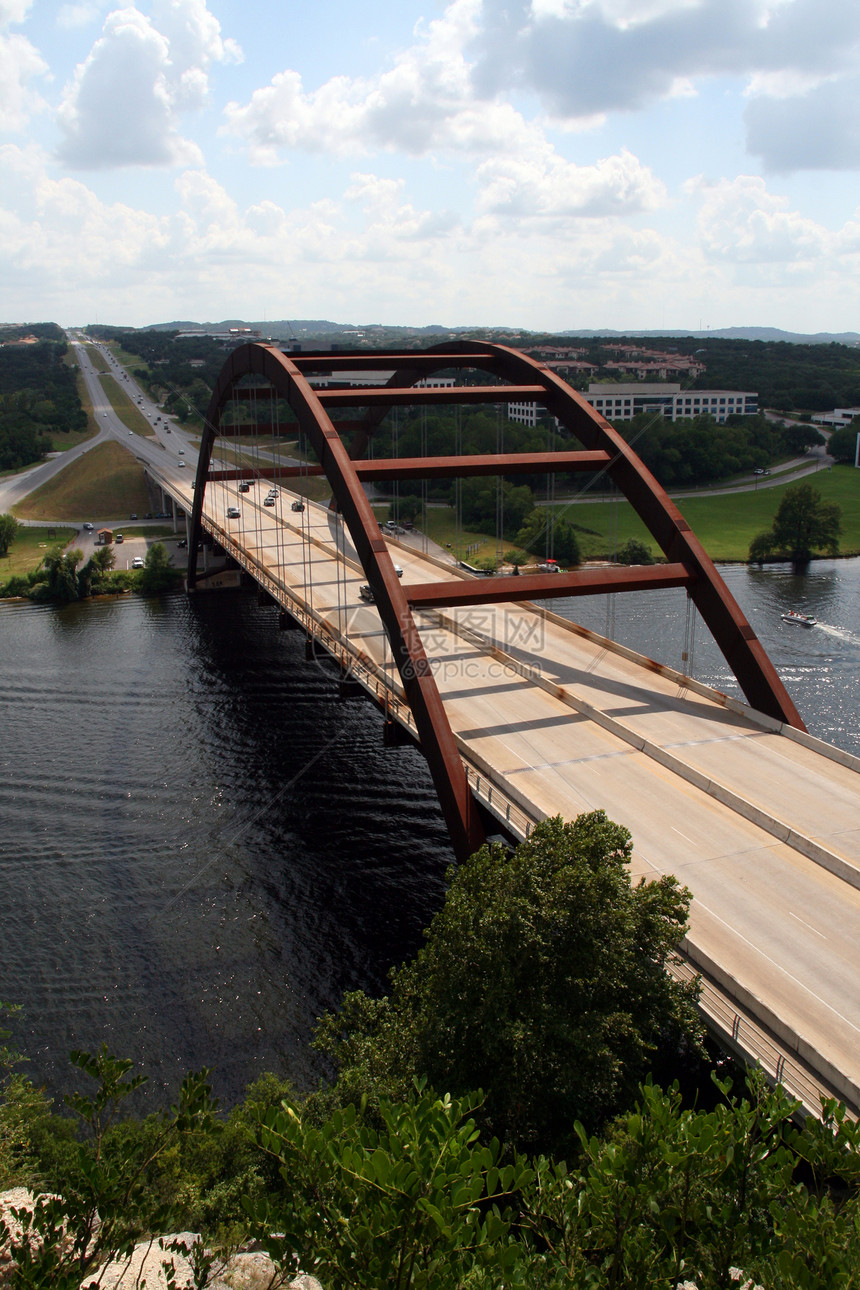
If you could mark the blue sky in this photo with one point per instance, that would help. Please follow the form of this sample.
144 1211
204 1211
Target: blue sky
536 163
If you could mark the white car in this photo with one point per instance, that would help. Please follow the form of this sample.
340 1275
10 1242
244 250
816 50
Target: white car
138 562
181 464
233 512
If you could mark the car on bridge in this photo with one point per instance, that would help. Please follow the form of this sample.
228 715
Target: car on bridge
297 505
366 593
233 512
270 501
244 487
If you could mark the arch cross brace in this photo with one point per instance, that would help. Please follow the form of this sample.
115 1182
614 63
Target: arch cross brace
515 377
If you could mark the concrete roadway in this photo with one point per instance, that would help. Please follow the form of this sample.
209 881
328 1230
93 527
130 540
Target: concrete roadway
762 824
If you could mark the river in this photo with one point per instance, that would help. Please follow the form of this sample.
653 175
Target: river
203 847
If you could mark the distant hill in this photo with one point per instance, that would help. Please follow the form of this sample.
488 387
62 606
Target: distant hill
733 333
304 328
299 327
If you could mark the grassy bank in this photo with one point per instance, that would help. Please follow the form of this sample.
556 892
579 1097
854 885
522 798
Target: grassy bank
106 482
25 553
125 408
725 525
97 359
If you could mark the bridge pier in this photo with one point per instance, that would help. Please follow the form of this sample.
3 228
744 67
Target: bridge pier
286 622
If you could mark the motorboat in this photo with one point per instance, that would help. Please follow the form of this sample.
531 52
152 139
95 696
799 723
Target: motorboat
795 616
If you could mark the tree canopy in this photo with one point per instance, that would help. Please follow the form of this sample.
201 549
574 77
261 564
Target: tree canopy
542 981
8 528
843 442
804 524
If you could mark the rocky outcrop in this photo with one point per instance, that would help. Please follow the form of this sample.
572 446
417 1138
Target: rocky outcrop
246 1270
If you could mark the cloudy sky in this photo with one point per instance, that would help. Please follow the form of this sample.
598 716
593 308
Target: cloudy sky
536 163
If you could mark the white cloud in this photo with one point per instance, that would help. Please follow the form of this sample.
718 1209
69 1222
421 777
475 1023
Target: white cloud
536 186
451 90
616 55
123 104
20 63
816 130
424 103
741 222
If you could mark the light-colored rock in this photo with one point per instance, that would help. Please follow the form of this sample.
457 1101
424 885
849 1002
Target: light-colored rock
146 1264
256 1271
17 1198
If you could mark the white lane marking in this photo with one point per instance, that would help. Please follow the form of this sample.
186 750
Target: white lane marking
756 949
683 835
809 925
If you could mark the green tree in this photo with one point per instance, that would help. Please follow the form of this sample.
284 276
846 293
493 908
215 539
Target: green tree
417 1202
674 1196
634 552
542 980
804 523
534 536
61 569
800 438
93 578
842 444
106 1204
157 574
8 529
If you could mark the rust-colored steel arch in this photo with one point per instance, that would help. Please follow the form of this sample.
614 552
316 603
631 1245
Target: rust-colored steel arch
515 378
461 812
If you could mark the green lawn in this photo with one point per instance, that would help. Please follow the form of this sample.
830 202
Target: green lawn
724 525
97 359
105 483
28 548
126 408
62 441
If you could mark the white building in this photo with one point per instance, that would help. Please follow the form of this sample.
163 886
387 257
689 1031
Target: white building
622 402
838 417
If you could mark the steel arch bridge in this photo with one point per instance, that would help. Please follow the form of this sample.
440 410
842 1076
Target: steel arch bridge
258 372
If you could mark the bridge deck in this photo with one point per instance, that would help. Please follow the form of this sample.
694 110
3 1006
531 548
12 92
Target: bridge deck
762 824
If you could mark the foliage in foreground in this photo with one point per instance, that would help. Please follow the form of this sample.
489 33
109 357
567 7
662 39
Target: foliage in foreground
413 1196
541 980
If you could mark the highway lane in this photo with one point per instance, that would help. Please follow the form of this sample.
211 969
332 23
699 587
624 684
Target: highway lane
570 723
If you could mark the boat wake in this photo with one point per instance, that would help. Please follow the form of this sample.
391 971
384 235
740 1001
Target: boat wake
841 633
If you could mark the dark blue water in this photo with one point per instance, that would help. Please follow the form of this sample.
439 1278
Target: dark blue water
202 847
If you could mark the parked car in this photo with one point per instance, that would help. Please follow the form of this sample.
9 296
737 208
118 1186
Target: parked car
118 537
133 515
138 562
